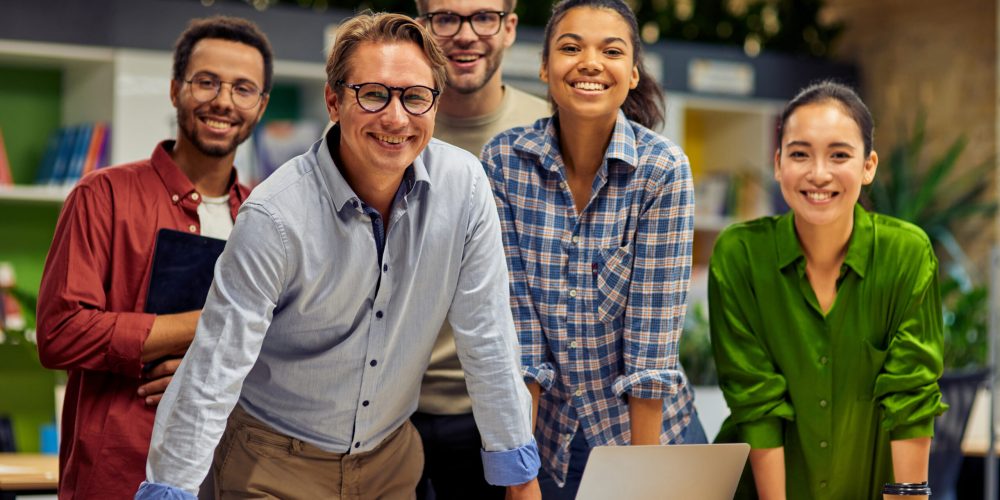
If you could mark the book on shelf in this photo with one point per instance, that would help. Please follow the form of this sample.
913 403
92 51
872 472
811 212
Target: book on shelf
72 152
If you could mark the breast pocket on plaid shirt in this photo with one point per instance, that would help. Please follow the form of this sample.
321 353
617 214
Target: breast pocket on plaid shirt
613 273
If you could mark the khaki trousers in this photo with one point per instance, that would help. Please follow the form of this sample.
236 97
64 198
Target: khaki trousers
254 461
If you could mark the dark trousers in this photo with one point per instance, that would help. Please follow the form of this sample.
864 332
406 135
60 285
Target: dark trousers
453 467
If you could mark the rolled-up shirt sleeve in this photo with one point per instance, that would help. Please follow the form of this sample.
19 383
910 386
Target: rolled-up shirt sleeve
75 329
487 347
754 388
907 386
191 418
657 293
536 360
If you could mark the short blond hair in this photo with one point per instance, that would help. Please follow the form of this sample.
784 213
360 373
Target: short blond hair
381 27
508 6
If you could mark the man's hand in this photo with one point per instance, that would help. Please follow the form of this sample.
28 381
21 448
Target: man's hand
526 491
159 378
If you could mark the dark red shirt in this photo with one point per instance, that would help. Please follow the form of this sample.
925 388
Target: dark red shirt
90 319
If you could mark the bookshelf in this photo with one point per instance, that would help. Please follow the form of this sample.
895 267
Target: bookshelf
44 86
727 140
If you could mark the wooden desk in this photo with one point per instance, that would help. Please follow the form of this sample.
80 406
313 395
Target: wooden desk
29 472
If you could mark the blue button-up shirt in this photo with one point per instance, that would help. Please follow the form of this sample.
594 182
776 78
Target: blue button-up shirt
303 323
599 296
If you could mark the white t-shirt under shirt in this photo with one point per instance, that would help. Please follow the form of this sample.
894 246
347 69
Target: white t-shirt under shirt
216 220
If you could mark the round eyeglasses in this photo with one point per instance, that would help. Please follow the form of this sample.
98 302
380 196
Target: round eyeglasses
483 23
205 88
374 97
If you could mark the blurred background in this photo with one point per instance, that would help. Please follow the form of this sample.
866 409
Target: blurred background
83 85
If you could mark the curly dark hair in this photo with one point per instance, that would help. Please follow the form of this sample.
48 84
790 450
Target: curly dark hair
225 28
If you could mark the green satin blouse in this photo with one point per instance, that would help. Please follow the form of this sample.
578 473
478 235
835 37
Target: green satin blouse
832 389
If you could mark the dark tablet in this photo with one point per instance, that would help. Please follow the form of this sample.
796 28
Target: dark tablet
183 266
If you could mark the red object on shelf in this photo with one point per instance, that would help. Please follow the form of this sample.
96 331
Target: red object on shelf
6 179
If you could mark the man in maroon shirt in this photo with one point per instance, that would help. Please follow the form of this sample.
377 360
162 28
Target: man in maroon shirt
93 292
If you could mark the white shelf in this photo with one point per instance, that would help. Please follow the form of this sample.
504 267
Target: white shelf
40 53
44 194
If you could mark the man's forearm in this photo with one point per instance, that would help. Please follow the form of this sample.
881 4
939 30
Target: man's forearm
171 335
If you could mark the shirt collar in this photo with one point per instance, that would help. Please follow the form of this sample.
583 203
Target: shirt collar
178 186
340 190
545 145
858 248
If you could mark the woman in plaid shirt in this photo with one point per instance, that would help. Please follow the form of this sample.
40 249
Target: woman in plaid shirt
597 217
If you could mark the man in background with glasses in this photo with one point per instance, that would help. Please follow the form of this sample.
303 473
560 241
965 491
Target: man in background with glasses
476 105
91 319
341 269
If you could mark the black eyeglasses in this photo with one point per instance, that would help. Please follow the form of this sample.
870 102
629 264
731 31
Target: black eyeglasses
483 23
205 88
374 97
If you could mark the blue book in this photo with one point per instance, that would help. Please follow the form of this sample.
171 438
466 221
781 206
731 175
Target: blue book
63 155
48 163
78 155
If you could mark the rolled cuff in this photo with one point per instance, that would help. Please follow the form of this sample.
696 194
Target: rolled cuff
910 415
543 374
919 429
157 491
511 467
125 349
764 433
650 384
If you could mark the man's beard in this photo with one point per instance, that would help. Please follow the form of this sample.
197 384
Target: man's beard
215 151
492 66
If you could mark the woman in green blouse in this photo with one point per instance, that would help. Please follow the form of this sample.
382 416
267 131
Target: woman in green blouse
826 321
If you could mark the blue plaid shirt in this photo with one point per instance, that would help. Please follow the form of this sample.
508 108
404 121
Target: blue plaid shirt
599 296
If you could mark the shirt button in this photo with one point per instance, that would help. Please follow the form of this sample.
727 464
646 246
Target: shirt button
378 314
358 444
822 403
572 345
385 268
365 403
193 228
194 196
373 362
822 360
354 203
572 293
579 392
562 184
175 198
823 444
576 239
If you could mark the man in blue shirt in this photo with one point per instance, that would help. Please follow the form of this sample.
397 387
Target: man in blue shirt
325 306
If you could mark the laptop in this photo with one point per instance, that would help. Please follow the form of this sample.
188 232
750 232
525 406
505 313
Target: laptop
681 471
